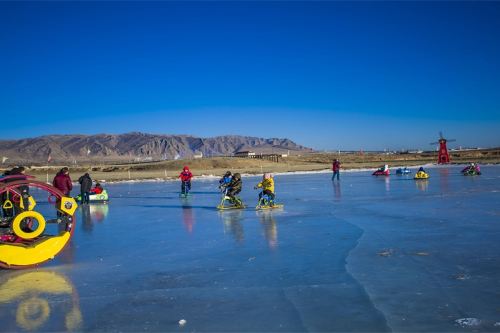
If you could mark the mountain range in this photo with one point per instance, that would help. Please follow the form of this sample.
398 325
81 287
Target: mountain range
136 146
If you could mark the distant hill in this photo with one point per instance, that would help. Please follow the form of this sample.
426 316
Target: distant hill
135 146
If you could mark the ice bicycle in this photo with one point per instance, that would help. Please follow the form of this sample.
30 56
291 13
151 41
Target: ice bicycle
235 203
266 202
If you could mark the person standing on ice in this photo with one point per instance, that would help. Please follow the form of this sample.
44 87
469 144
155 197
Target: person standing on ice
185 177
85 186
62 181
336 169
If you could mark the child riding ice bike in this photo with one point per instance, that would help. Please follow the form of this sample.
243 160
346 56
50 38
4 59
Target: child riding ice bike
185 177
266 196
230 191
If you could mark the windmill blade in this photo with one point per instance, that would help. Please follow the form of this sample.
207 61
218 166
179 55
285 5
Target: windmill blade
441 135
434 143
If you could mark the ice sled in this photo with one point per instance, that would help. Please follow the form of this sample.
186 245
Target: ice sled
381 173
421 175
95 198
471 171
403 171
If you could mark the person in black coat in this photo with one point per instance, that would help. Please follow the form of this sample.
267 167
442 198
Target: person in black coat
234 188
85 186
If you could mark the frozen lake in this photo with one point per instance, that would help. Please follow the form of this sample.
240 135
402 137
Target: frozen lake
368 254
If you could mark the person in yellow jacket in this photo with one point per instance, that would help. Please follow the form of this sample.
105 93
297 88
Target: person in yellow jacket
267 185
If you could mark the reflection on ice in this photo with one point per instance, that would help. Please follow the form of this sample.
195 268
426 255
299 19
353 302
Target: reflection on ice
98 212
93 213
188 218
268 222
443 178
232 221
337 193
34 297
422 184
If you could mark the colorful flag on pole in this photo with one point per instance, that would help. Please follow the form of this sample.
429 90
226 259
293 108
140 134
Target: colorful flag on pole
49 159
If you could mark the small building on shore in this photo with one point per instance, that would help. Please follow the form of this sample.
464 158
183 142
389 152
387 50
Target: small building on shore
244 153
261 156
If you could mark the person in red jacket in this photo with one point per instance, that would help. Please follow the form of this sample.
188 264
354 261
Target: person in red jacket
97 189
62 181
336 169
185 177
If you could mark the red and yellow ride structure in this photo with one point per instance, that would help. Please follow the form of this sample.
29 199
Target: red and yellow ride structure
24 239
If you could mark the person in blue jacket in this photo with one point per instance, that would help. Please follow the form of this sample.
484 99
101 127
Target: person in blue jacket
225 180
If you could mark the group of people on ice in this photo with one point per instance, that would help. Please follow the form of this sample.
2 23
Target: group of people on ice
470 170
62 181
231 185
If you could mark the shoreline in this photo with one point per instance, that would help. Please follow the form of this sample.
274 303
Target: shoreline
214 168
205 177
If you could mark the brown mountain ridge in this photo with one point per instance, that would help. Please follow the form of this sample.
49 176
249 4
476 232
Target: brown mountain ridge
136 146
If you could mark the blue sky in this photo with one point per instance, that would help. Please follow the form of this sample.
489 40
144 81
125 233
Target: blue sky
329 75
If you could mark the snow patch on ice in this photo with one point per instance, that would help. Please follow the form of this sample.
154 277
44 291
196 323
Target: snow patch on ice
468 322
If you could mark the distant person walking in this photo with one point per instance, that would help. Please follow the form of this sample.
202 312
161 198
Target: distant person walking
62 181
336 169
85 187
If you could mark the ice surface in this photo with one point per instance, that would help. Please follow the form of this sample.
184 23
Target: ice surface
366 254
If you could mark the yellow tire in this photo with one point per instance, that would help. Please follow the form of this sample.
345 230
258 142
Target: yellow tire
16 225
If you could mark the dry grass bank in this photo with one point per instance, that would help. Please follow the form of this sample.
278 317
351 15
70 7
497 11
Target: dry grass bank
219 165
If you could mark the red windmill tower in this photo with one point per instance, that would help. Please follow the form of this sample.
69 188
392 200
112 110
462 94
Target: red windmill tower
443 156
